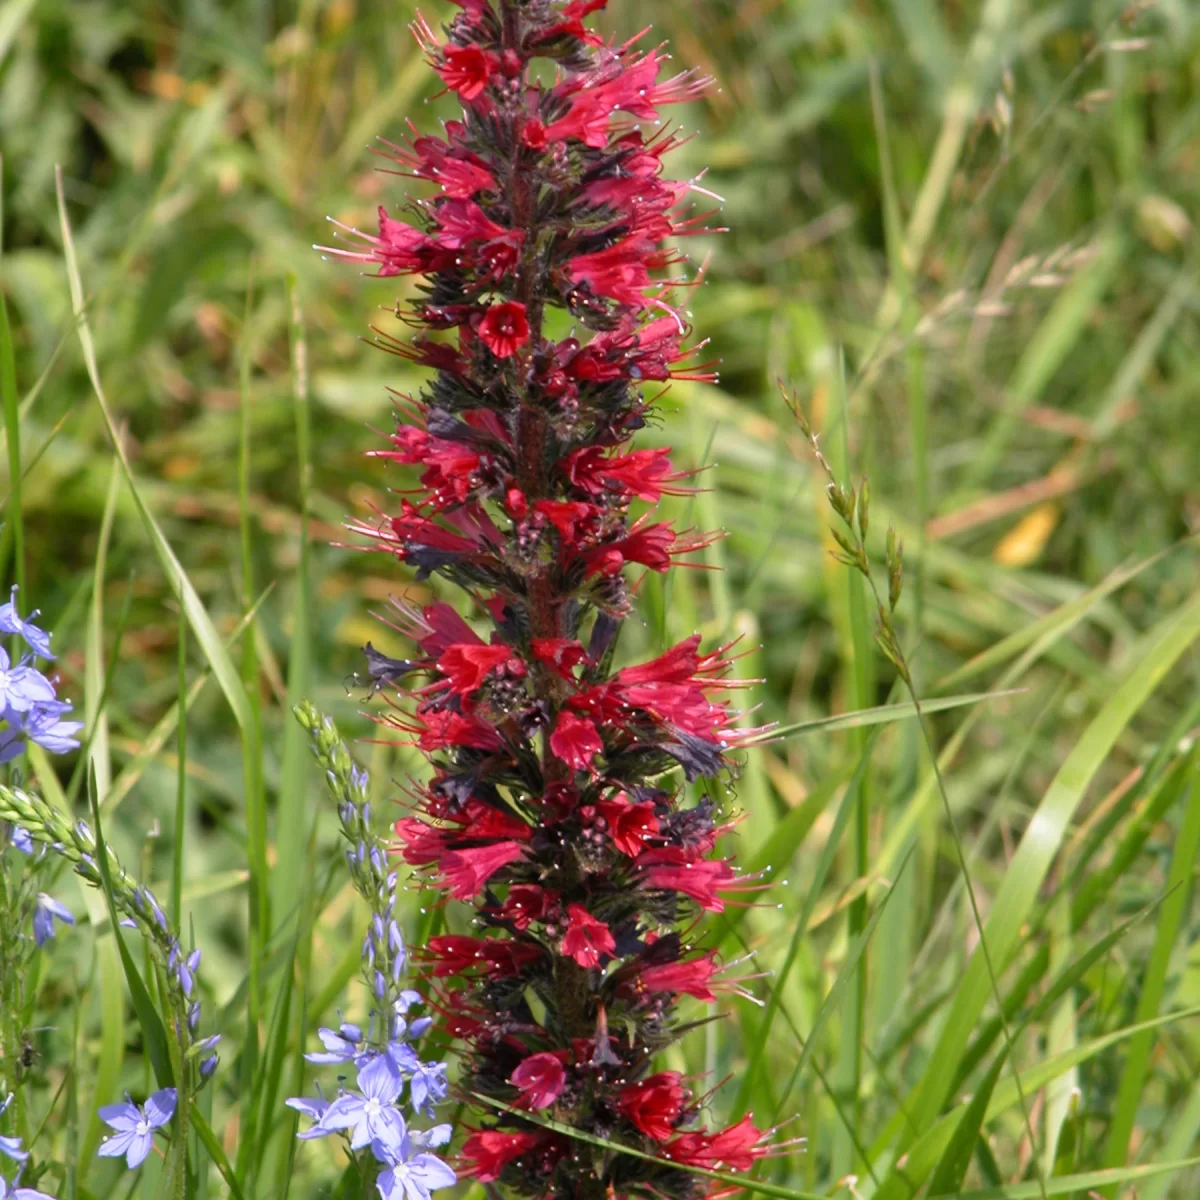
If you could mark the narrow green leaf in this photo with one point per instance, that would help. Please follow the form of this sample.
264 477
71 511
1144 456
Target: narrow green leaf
1064 1185
1037 850
882 714
1153 983
152 1026
216 1153
198 617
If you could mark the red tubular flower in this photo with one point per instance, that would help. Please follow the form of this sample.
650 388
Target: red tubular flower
587 939
467 70
466 871
555 804
732 1149
575 741
540 1079
466 667
487 1152
505 328
654 1105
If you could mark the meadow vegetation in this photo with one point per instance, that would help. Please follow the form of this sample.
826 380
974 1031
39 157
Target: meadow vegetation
962 246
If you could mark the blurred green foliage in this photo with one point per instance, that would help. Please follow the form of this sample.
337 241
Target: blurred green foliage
963 234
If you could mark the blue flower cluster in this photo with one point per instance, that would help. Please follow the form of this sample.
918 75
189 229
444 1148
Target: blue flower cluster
11 1147
370 1115
383 1057
30 709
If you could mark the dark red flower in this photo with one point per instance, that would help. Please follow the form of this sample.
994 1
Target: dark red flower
587 939
689 978
421 843
467 666
655 1104
562 655
526 903
540 1079
575 741
732 1149
488 1151
504 328
700 880
467 69
630 826
466 871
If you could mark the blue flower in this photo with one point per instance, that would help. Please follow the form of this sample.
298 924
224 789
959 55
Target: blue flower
409 1176
316 1108
12 1147
44 724
21 839
21 686
340 1047
45 912
135 1126
427 1086
16 1192
369 1117
37 639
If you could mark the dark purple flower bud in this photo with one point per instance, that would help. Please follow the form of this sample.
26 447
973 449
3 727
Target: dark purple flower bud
209 1066
380 986
159 915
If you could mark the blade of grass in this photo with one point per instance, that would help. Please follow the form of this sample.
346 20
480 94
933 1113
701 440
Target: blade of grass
152 1027
757 1047
293 842
181 706
1087 1181
112 1001
15 524
1153 982
881 714
1041 841
259 920
198 617
752 1186
133 770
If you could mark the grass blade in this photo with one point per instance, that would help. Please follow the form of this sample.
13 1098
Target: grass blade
1037 850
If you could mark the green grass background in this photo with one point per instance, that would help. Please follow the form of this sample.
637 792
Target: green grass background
964 235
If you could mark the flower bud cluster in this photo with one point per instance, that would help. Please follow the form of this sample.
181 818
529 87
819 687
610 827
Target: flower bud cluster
74 841
555 806
384 1056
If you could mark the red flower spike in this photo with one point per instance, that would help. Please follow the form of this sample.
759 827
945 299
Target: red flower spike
554 806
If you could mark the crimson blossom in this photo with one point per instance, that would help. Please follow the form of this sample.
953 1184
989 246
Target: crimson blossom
555 805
